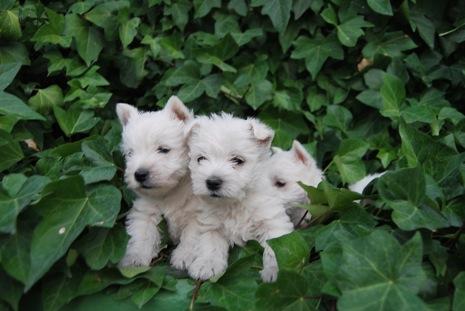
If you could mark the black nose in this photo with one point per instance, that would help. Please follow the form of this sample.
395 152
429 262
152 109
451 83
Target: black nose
214 183
141 175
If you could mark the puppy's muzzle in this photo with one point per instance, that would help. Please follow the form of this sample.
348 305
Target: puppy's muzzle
214 183
141 175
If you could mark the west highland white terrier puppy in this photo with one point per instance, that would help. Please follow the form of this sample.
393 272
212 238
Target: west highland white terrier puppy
225 154
155 149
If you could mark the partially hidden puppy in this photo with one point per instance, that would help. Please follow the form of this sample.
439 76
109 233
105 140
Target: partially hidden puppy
154 145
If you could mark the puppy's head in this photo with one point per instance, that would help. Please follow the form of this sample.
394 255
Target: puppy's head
154 145
285 169
225 153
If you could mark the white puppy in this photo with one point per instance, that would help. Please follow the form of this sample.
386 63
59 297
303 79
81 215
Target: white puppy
225 154
242 193
154 145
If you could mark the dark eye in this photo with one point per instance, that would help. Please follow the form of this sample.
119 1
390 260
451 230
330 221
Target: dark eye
200 159
129 153
237 160
279 183
163 149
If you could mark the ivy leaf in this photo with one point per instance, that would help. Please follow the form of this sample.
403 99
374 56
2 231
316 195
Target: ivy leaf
141 296
393 95
53 31
128 31
381 6
16 248
18 192
10 151
459 293
349 31
10 291
66 211
279 13
316 52
12 105
88 39
404 192
291 251
202 8
288 291
47 98
75 120
101 246
10 28
369 277
7 74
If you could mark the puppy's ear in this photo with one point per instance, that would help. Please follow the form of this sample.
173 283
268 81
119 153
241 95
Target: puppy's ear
190 128
261 132
301 155
176 108
125 112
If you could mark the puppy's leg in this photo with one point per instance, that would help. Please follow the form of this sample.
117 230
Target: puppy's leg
274 228
184 254
144 241
211 256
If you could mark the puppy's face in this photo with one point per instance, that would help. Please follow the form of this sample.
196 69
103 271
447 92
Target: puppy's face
225 153
286 168
154 145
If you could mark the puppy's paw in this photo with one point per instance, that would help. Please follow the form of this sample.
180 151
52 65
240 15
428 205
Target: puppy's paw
135 260
269 274
181 258
204 268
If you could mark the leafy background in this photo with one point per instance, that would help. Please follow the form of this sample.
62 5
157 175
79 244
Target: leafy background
367 85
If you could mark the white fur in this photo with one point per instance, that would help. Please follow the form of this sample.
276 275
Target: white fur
360 185
248 206
167 188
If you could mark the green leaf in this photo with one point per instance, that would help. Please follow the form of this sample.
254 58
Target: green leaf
459 293
291 251
381 6
258 93
12 105
14 52
10 151
88 40
10 291
370 278
18 192
10 28
203 7
144 294
53 31
16 248
128 31
75 120
391 44
66 211
288 291
235 290
279 13
404 192
47 98
180 13
101 246
316 52
393 95
349 31
7 74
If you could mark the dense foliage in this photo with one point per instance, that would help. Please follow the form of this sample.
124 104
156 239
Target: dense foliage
367 85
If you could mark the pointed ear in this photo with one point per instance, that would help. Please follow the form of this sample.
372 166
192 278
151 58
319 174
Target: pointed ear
301 154
261 132
125 112
190 128
178 110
